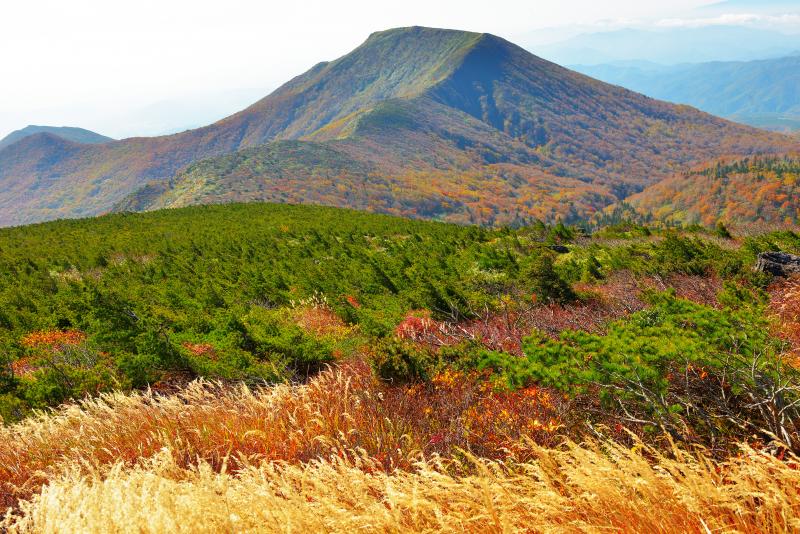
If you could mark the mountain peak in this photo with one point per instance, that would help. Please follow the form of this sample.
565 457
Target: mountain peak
418 121
419 32
395 63
76 135
444 45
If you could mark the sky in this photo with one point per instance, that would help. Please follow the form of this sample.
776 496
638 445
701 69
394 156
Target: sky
121 66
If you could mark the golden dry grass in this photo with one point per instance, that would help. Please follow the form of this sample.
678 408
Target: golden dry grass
309 458
590 488
338 411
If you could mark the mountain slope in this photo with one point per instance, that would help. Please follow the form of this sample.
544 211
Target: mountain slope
500 113
760 93
77 135
426 115
765 190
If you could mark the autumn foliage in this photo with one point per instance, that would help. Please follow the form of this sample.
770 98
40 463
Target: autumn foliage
52 339
357 351
740 192
785 305
336 413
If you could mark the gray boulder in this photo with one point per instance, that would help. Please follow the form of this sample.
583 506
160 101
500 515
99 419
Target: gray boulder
778 263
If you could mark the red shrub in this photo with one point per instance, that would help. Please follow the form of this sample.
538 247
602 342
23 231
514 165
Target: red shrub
417 326
23 367
785 308
352 301
201 349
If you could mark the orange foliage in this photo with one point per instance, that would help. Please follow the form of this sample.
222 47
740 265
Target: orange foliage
353 301
23 367
319 319
53 339
741 191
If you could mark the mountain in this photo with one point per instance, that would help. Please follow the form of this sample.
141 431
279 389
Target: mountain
77 135
760 189
416 121
671 45
760 93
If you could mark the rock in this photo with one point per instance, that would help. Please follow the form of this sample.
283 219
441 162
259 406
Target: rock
559 249
778 263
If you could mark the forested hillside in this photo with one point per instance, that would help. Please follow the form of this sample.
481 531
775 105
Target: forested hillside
418 121
752 190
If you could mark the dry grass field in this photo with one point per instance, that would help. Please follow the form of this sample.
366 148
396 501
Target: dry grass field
340 454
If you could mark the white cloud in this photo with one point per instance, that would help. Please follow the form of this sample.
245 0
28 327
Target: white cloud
786 22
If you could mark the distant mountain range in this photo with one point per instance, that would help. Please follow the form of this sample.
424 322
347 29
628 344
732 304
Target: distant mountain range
763 93
754 5
420 122
77 135
671 45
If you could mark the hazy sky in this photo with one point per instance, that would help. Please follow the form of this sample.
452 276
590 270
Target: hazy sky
97 64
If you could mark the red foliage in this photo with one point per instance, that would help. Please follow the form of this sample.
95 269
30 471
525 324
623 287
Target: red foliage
352 301
201 349
23 367
417 326
785 308
464 410
699 289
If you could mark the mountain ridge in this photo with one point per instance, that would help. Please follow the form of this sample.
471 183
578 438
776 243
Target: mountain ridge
71 133
442 118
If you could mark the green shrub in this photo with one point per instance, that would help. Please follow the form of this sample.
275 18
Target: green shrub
540 276
49 386
400 362
286 344
12 408
641 348
140 286
678 254
464 356
381 317
691 369
722 231
139 370
236 364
